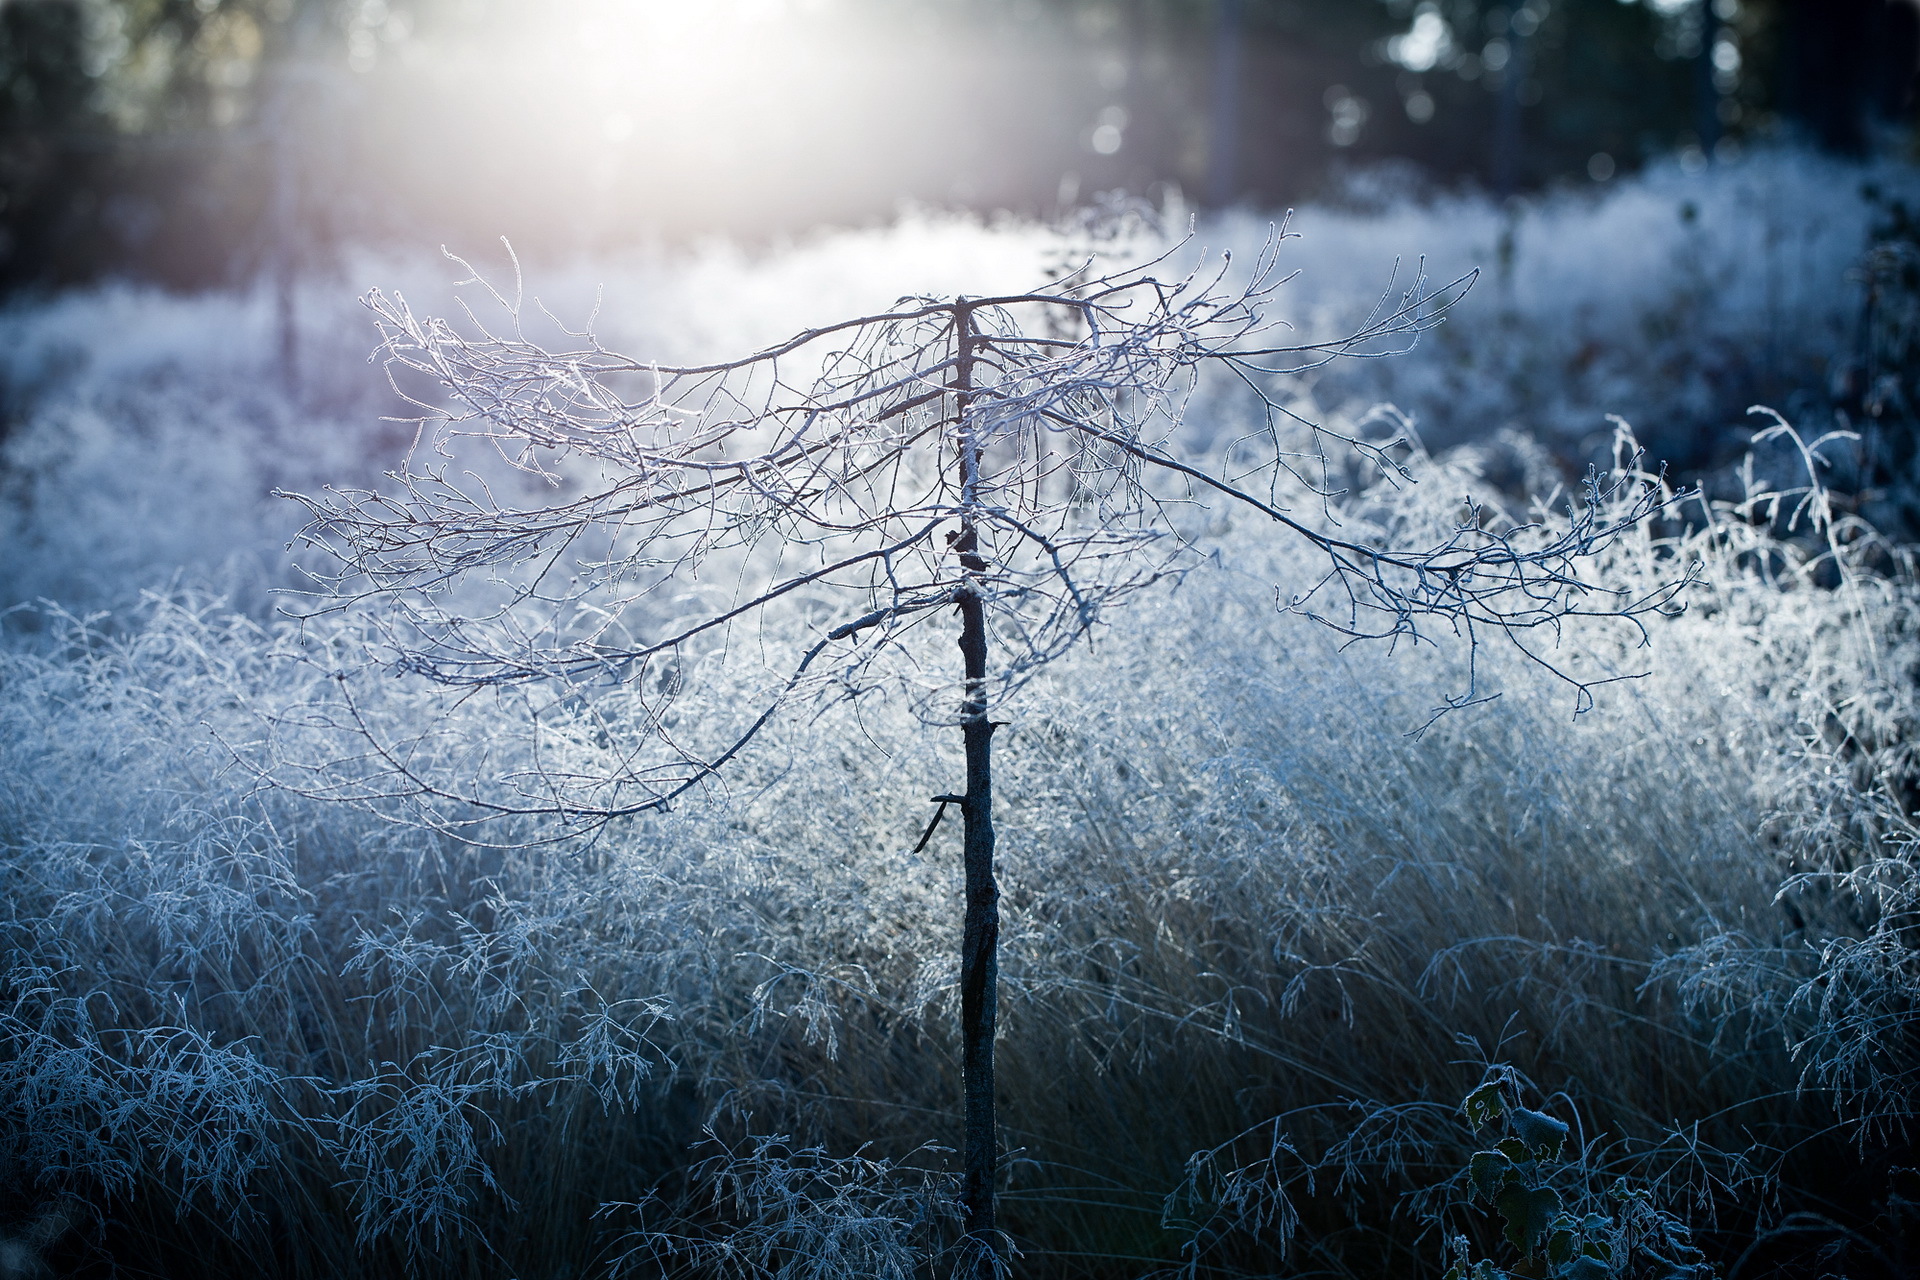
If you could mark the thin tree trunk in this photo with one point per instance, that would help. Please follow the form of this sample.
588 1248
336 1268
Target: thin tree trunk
979 946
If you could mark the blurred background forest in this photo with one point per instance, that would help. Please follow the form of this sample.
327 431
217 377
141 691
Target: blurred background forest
204 142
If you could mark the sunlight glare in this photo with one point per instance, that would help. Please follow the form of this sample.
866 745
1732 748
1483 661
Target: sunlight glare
581 106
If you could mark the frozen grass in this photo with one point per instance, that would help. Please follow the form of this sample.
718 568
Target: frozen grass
1259 940
1241 901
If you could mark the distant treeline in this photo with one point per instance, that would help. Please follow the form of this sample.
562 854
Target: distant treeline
203 141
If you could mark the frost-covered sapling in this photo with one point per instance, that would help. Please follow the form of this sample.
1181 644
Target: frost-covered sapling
1022 460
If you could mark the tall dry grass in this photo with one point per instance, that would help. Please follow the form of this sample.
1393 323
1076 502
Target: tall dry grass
1259 941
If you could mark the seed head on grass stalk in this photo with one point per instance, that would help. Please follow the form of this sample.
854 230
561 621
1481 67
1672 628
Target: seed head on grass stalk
1024 460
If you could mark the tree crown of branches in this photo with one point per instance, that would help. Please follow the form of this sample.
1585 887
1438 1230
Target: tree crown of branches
1027 451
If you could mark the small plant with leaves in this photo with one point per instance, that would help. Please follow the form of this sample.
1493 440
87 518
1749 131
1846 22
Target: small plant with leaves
1551 1217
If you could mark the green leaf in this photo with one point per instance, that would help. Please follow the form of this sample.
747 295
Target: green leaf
1483 1105
1489 1171
1528 1213
1561 1247
1541 1133
1514 1150
1598 1249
